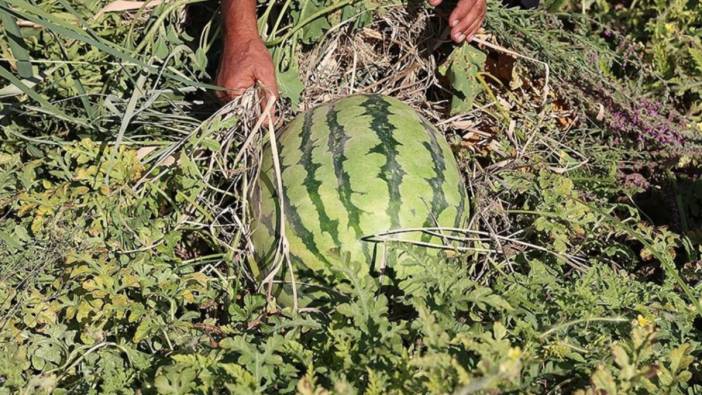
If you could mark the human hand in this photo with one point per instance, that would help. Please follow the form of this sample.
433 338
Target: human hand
245 61
466 18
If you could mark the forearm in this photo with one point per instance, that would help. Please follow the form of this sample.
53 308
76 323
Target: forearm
245 60
239 17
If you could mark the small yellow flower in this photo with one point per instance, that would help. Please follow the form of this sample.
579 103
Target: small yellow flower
699 127
514 353
670 27
643 321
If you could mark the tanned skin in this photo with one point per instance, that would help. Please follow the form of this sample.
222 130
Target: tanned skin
246 61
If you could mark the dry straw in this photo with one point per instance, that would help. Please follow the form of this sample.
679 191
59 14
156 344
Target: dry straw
396 55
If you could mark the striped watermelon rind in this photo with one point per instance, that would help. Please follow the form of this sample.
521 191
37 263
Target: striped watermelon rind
353 168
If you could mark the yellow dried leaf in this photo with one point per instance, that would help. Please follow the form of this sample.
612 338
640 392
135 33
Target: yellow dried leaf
187 296
80 270
120 300
130 280
84 310
200 278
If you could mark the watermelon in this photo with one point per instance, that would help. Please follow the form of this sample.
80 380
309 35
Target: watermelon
351 169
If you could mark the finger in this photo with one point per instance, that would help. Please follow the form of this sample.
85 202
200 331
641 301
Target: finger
238 83
461 10
470 21
266 98
266 105
474 28
224 96
229 94
266 76
232 86
458 32
434 3
220 95
470 32
269 82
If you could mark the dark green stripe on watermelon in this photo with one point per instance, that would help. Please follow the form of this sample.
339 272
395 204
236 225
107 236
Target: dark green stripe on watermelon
438 201
266 254
312 185
337 139
294 219
391 172
267 222
459 222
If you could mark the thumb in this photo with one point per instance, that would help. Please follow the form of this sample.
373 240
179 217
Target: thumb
269 83
268 80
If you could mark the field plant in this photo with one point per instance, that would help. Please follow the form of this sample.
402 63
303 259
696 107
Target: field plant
125 265
667 33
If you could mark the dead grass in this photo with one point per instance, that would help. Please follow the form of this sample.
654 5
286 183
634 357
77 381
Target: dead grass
397 55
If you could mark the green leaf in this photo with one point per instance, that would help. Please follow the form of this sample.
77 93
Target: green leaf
696 55
60 27
461 69
555 5
46 106
11 242
142 330
46 355
211 144
620 356
314 30
180 381
603 380
290 86
680 358
16 42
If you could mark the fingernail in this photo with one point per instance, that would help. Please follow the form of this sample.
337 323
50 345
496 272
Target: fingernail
460 37
453 23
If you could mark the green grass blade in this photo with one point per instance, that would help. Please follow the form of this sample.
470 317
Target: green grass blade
37 15
87 105
16 42
47 107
